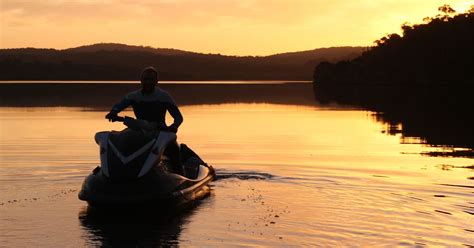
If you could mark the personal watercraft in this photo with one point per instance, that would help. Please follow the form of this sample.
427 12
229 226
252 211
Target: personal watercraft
143 166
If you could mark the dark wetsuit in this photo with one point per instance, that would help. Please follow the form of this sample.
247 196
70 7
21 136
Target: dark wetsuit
151 107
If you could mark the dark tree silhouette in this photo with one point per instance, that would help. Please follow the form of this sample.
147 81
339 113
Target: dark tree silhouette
422 78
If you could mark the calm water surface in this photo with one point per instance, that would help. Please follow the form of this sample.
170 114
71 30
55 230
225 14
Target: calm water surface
287 176
269 82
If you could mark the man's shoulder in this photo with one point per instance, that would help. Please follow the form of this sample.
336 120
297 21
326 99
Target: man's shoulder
134 95
163 95
160 91
159 95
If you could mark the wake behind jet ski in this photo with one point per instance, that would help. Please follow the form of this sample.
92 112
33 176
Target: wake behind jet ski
143 165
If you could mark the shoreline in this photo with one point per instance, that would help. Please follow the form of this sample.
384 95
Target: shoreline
102 95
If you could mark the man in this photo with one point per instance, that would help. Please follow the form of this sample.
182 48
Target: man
150 103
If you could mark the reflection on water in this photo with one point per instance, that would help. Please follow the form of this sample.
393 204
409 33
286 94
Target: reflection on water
102 95
439 116
288 175
138 227
452 132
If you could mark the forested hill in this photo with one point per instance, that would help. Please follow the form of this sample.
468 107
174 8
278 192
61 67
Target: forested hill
109 61
422 80
437 52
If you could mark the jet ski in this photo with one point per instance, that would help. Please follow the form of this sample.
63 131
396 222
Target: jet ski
145 166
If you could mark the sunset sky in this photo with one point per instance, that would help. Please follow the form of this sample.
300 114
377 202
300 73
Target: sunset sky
233 27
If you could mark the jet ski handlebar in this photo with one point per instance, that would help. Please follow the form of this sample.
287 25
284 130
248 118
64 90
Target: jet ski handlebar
139 124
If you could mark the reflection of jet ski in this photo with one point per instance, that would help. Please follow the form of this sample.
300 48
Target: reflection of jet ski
145 228
141 164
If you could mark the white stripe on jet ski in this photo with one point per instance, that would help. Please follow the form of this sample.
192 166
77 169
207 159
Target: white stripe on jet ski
132 156
164 138
100 138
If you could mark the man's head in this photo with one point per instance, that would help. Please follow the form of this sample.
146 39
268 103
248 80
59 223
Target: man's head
149 79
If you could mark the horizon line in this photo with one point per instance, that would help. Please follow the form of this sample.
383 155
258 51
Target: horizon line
177 49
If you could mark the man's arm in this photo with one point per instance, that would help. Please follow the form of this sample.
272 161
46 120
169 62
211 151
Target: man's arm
118 107
176 114
173 109
121 105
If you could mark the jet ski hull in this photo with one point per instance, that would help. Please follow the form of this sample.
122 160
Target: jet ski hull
154 189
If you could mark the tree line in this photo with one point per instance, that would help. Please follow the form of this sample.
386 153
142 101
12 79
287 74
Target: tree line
122 62
439 51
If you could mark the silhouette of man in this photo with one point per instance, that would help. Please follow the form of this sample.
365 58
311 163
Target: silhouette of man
149 103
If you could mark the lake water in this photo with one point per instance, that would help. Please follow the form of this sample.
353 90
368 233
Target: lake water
288 175
218 82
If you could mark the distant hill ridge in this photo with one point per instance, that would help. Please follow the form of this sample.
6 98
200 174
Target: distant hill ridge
124 47
114 61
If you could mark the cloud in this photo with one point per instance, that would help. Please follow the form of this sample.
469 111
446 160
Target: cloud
176 12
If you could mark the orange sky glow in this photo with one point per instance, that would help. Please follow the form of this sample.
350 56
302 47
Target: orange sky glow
232 27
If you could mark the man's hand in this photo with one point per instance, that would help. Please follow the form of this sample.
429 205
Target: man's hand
111 116
172 128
